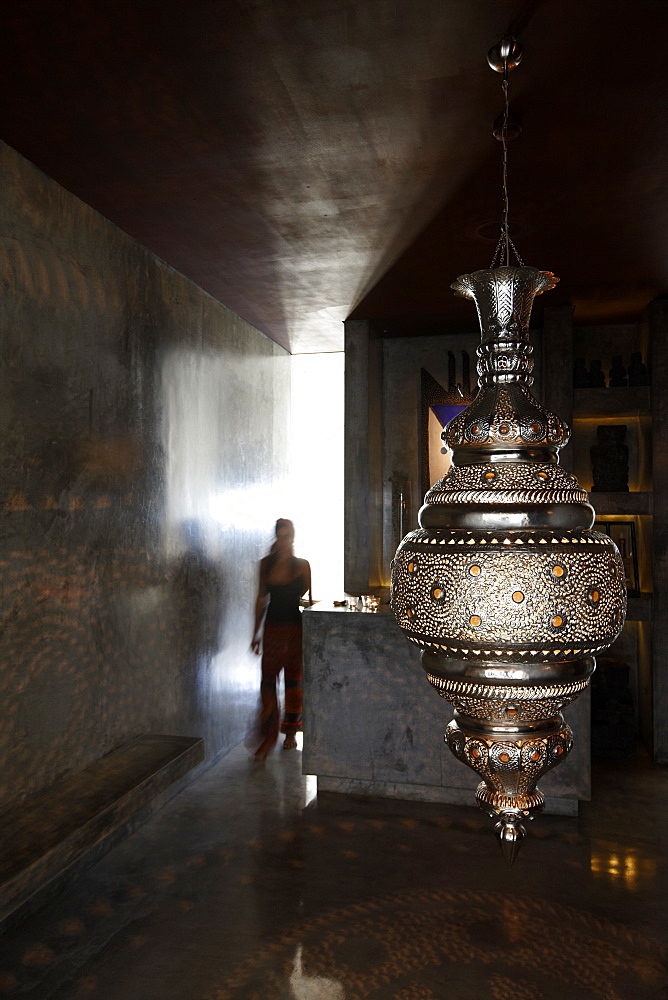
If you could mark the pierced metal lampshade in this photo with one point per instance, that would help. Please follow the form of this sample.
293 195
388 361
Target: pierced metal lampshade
505 587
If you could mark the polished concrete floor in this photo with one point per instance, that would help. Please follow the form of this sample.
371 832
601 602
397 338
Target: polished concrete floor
247 886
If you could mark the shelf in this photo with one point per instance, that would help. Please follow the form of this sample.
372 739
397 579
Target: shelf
639 608
621 503
634 401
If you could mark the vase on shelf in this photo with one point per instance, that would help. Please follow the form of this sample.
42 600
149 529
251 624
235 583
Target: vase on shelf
637 370
610 460
580 374
618 379
596 376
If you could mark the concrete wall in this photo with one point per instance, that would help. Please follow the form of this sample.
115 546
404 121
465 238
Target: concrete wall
144 431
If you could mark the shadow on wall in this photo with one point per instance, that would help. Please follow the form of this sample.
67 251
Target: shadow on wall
123 609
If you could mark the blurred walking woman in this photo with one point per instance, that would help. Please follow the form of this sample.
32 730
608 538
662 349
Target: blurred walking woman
284 579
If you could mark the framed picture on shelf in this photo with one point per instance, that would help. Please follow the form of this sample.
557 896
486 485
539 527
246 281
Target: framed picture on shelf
623 534
438 406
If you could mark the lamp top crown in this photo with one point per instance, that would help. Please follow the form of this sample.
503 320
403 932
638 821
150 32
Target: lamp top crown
504 297
505 422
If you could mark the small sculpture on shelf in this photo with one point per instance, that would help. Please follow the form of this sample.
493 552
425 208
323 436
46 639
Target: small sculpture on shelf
596 376
610 460
452 375
466 376
617 374
637 370
580 374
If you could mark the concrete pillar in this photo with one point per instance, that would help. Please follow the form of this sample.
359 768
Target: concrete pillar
363 512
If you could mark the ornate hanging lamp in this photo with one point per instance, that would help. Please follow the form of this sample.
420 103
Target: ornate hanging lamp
504 586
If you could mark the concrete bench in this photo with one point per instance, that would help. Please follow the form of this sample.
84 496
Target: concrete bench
61 831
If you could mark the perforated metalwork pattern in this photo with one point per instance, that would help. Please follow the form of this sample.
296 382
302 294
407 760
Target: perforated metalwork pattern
507 482
553 594
504 296
504 693
510 768
505 414
513 704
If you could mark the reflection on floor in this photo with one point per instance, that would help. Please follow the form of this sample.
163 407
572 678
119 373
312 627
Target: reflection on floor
249 887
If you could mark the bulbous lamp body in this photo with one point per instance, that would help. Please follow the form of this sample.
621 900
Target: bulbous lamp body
505 587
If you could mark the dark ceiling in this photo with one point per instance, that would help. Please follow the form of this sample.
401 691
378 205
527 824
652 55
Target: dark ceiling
308 160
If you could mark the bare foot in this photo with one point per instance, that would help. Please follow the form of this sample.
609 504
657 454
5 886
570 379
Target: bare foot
289 743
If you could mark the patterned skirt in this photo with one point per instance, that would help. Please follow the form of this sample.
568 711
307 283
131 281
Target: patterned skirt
281 650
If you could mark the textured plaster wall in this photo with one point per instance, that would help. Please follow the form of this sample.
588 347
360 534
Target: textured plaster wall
144 432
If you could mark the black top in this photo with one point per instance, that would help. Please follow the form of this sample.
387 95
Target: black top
284 601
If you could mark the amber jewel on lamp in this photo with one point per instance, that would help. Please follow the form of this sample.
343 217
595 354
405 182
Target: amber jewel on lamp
505 587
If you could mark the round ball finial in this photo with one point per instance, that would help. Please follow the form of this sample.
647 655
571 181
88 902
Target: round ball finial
507 127
505 55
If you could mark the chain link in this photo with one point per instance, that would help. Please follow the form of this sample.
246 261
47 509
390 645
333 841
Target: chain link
503 247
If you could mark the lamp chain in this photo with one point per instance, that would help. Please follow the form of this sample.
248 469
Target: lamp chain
502 251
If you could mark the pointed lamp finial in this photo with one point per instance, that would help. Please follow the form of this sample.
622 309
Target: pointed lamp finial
511 833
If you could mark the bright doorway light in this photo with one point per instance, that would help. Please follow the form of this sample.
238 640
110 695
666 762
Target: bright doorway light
316 468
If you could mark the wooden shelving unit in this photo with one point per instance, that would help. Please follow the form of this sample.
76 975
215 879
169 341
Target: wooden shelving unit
632 401
630 503
639 608
643 643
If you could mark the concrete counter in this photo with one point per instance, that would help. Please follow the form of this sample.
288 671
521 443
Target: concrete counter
374 725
